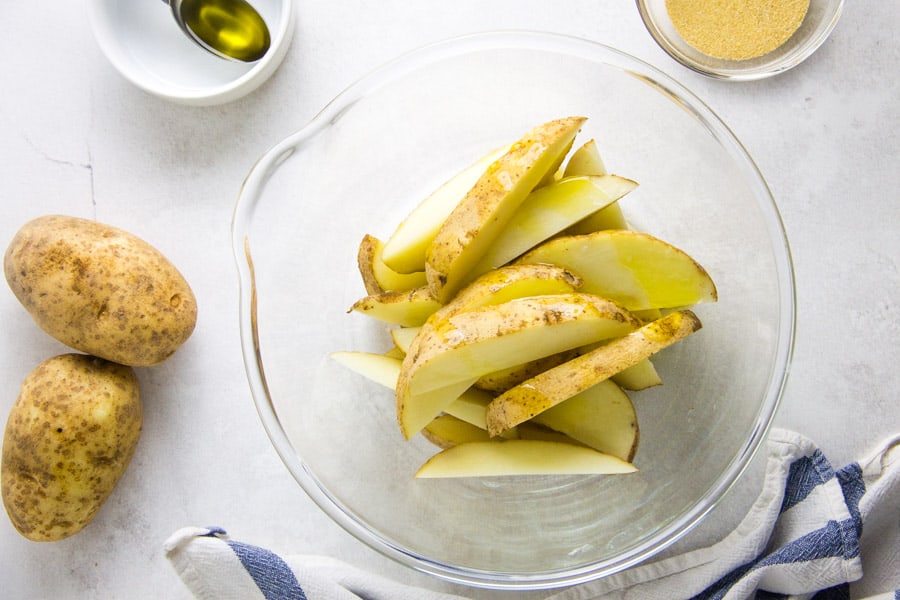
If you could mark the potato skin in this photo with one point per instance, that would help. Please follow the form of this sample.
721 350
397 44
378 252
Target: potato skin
100 290
68 440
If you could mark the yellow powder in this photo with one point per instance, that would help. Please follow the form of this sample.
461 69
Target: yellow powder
736 29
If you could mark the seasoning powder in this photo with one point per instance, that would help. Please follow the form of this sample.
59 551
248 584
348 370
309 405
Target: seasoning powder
736 29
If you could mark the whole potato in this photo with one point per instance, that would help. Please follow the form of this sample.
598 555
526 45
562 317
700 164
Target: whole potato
100 290
68 440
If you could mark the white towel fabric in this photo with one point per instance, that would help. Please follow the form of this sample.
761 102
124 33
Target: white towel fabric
802 539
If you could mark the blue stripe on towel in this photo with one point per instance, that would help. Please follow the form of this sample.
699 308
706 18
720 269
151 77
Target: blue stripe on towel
838 592
853 487
806 473
271 574
836 539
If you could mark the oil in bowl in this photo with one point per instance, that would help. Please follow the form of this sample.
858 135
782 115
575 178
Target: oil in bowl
230 28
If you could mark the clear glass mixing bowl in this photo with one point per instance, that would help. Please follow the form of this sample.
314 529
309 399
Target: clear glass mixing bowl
364 162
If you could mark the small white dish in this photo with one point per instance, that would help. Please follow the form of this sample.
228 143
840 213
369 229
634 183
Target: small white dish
143 42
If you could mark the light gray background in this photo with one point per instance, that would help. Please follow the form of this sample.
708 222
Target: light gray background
78 139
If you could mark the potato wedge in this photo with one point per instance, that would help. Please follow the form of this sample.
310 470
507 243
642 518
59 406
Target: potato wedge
403 337
408 308
550 210
555 385
476 221
635 269
507 283
586 160
601 417
405 249
521 457
384 370
378 368
450 355
378 277
500 381
446 431
640 376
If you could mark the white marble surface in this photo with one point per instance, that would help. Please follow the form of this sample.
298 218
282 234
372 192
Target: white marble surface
79 139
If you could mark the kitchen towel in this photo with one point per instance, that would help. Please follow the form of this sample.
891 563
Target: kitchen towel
804 537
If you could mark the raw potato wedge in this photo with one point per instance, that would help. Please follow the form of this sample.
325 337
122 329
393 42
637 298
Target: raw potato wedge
449 356
447 431
586 160
508 283
403 337
500 381
482 214
601 417
384 370
555 385
635 269
404 251
639 377
377 276
408 308
549 210
379 368
521 457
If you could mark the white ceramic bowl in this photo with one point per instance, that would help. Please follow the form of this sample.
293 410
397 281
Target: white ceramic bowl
363 163
817 25
143 42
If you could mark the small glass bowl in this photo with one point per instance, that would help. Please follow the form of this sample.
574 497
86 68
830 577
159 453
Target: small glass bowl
818 24
363 163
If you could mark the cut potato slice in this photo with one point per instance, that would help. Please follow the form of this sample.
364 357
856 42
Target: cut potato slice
377 276
482 214
521 457
555 385
471 407
635 269
638 377
586 160
403 337
500 381
447 431
458 350
404 251
408 308
379 368
601 417
549 210
384 370
508 283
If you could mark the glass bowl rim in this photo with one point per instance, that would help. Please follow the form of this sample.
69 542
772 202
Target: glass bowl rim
249 195
737 74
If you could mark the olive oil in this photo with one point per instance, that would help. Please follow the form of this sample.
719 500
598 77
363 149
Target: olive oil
232 28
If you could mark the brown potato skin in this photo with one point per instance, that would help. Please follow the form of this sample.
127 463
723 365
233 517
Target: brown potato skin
100 290
68 440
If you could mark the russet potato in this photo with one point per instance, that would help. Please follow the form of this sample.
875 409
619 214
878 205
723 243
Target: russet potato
100 290
69 438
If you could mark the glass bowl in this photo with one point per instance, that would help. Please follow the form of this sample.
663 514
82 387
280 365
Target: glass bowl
363 163
821 18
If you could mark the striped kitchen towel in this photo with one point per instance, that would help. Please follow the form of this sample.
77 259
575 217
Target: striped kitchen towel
813 532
